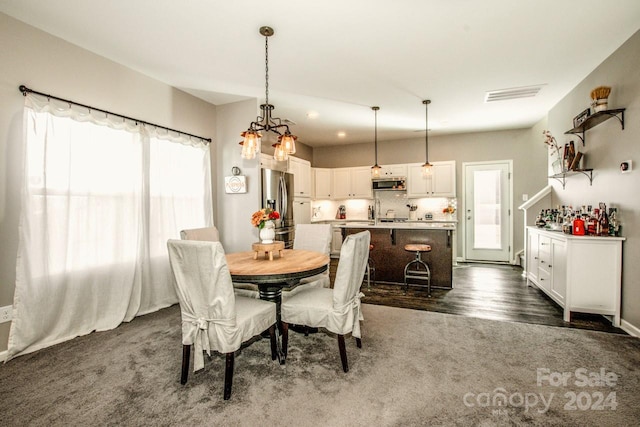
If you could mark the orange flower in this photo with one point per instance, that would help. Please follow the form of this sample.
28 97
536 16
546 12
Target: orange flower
266 214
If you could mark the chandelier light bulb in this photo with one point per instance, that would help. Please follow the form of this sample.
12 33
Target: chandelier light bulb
279 153
288 143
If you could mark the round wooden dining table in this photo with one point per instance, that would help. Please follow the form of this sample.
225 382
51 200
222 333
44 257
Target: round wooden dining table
285 270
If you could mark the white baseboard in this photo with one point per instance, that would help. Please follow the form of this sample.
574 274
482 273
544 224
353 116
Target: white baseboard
629 328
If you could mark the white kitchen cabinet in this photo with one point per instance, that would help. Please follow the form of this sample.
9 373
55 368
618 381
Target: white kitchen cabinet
351 183
558 267
322 183
580 273
268 162
361 183
302 211
301 170
393 171
441 182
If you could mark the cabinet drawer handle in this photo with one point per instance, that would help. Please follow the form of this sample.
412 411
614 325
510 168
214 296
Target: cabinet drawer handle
542 261
541 279
535 257
549 265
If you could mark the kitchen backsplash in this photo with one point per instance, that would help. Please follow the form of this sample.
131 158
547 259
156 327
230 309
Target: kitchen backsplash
357 209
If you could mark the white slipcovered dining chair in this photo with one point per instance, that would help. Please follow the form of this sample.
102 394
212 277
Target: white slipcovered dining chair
213 317
210 234
317 238
337 309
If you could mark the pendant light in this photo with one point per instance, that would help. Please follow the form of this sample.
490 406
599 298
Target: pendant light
251 144
375 169
279 153
426 167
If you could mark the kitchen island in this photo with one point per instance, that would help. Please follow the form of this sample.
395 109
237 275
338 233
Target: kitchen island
388 254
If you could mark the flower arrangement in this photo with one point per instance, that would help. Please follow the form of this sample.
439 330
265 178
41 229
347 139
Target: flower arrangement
551 142
259 218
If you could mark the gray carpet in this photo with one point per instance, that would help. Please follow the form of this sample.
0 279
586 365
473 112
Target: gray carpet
415 368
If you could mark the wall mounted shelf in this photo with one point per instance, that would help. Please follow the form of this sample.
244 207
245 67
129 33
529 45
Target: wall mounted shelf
594 120
562 176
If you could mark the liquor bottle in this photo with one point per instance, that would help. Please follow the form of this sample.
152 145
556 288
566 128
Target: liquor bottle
603 221
540 222
592 225
613 222
567 225
578 226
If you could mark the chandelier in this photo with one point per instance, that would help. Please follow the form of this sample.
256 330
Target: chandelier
375 169
426 167
251 145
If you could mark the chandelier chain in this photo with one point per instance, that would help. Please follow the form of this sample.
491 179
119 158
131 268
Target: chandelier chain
266 69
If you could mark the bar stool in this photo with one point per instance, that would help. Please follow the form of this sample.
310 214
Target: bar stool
417 273
371 269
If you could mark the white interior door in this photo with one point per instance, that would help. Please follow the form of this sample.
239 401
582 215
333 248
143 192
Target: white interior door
487 205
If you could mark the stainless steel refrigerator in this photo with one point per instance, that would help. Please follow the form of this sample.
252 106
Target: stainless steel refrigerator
277 193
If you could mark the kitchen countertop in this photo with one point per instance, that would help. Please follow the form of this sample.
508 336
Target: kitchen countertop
559 233
426 225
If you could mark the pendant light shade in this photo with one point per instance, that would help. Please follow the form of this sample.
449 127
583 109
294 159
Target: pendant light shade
251 144
375 169
426 167
288 142
279 153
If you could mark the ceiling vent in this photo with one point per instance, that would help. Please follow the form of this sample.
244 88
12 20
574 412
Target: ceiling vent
512 93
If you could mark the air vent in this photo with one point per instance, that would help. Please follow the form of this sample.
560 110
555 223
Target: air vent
512 93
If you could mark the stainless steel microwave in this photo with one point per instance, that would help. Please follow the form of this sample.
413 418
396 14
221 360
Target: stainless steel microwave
389 184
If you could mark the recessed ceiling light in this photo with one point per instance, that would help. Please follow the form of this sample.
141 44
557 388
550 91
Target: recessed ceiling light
312 115
341 134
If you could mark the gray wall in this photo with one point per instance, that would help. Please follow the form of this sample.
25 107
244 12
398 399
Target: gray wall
523 146
606 147
51 65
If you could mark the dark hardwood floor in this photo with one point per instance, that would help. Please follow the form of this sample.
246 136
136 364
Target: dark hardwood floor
487 291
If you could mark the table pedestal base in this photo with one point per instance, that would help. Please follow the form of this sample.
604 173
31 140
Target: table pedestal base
274 294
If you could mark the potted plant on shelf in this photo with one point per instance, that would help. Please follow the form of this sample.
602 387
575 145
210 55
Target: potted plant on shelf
551 142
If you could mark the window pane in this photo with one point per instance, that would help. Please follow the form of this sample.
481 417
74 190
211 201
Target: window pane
487 226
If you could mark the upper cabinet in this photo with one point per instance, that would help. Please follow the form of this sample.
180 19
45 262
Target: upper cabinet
301 170
441 182
322 183
351 183
361 183
393 170
268 162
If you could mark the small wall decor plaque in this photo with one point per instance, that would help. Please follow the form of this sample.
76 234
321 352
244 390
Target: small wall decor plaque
236 184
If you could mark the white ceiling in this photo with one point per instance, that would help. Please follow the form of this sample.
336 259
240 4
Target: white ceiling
339 57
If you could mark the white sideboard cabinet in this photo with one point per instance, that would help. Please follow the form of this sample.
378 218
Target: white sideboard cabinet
580 273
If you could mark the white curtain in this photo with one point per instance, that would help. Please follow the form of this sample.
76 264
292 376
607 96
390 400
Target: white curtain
101 197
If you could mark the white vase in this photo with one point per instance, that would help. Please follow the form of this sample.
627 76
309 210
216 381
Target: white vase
268 232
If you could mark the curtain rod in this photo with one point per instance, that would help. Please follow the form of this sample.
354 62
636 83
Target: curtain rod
26 90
